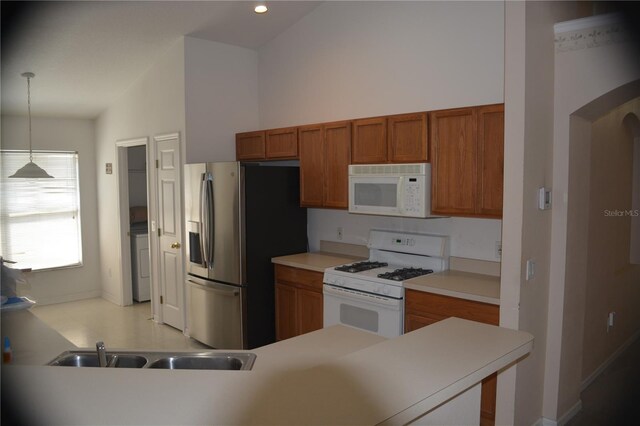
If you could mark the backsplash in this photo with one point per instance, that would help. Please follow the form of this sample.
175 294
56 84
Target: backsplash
470 238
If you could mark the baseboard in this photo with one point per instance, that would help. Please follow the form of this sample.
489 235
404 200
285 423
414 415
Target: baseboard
543 421
591 377
111 298
69 297
564 419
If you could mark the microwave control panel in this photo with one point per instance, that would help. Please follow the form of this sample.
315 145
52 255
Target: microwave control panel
413 187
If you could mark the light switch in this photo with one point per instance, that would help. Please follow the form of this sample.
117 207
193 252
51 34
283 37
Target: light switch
544 198
531 270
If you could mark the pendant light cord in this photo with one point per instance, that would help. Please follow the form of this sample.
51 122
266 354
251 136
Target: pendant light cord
29 111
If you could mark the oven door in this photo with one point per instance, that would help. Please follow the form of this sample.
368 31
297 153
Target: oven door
377 314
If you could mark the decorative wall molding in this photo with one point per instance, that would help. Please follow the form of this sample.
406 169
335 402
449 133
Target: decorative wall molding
590 32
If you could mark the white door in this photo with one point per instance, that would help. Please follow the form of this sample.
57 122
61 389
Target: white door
170 230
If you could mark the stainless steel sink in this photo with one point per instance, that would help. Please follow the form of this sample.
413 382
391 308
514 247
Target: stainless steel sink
230 362
162 360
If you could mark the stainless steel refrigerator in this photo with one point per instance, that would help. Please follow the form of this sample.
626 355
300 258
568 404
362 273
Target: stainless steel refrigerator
238 216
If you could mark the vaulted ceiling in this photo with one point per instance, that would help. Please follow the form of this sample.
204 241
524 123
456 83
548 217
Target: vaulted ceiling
86 54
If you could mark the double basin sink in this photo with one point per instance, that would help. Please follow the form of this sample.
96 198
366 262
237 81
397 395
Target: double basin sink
162 360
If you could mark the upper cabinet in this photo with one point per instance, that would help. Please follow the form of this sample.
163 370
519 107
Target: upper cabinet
324 163
391 139
250 145
282 143
467 161
407 136
274 144
369 141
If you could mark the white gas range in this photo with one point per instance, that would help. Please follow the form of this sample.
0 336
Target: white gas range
370 295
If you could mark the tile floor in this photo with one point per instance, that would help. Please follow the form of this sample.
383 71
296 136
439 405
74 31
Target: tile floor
85 322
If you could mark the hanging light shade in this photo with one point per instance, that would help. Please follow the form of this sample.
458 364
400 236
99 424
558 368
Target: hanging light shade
30 170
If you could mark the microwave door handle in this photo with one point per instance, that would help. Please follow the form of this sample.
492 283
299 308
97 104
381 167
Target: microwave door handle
400 194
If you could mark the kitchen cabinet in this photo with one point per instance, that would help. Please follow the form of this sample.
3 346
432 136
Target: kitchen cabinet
467 161
282 143
398 138
250 145
407 138
325 153
422 309
369 143
298 301
274 144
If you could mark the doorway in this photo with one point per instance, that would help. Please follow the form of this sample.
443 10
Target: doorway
133 189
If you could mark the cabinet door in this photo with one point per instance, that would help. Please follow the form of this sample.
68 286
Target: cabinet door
369 141
282 143
407 138
490 159
312 175
337 156
453 161
286 322
250 146
414 322
309 310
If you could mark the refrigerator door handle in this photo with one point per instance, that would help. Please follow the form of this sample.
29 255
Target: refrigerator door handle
207 217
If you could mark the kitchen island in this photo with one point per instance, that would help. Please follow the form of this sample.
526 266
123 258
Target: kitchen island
336 375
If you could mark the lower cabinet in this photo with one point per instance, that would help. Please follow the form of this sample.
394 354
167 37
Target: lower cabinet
298 301
422 309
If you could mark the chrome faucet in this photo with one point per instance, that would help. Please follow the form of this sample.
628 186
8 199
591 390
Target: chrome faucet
102 355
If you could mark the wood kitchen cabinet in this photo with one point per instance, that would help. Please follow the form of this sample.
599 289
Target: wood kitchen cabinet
407 138
250 145
398 138
299 302
422 309
282 143
369 143
325 153
274 144
467 161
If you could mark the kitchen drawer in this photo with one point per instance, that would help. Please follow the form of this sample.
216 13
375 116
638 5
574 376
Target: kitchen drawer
434 305
299 277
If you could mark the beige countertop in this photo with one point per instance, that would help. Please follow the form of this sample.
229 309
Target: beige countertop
32 341
316 261
464 285
355 378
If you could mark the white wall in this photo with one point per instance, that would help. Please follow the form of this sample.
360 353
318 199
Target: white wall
66 135
153 105
221 90
349 59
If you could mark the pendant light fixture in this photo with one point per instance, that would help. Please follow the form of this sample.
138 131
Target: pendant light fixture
30 170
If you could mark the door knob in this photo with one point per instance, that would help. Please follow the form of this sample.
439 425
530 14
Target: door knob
175 245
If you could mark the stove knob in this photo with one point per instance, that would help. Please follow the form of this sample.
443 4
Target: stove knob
340 282
385 290
378 289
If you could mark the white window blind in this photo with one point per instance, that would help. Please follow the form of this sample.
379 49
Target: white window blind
40 226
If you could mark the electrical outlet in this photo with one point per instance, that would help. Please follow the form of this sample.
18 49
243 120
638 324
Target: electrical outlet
339 233
498 253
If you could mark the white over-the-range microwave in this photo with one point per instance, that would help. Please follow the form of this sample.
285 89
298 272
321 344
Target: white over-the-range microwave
390 189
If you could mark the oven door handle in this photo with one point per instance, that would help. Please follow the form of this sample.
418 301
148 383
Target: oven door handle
362 297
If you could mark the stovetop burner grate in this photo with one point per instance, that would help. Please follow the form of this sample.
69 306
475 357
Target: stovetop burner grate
405 274
360 266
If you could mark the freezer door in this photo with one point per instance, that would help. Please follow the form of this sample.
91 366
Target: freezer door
215 314
224 234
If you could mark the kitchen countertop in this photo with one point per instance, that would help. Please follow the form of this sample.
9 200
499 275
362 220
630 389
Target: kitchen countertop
336 375
316 261
464 285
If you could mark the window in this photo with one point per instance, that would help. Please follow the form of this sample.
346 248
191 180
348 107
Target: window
40 226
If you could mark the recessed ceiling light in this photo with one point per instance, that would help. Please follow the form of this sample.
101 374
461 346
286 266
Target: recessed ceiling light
261 8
